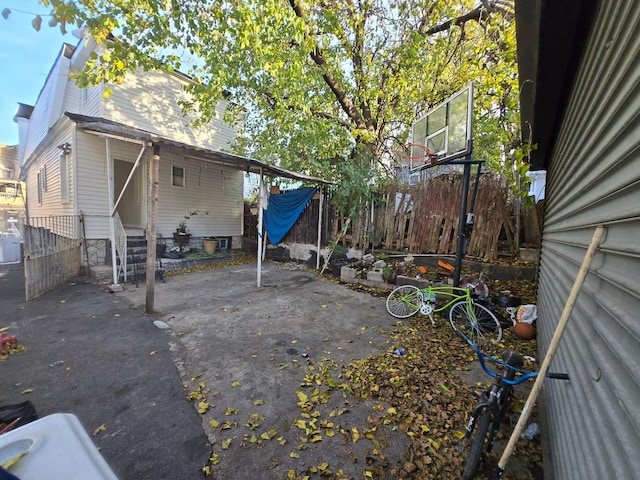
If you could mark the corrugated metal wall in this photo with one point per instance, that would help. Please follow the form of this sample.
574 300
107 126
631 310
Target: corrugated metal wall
594 177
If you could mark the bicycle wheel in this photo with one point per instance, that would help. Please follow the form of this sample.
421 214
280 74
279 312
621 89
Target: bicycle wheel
404 301
477 445
476 322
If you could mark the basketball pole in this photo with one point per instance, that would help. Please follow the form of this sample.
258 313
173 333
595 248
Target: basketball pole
461 222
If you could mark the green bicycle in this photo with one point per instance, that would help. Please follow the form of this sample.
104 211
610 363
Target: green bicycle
468 314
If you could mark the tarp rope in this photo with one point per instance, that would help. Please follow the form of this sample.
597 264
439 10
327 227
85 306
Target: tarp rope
283 211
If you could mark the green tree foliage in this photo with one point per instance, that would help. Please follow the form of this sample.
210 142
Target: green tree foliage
329 88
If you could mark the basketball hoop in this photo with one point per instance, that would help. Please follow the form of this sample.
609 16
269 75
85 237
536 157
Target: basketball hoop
416 155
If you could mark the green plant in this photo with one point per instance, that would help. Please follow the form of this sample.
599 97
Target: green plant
338 250
182 226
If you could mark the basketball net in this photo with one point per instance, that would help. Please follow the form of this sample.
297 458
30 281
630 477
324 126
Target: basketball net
415 156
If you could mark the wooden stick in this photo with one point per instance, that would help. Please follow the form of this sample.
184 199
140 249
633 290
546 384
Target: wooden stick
342 233
553 346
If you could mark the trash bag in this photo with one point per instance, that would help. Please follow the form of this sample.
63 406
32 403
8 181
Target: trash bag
14 416
527 314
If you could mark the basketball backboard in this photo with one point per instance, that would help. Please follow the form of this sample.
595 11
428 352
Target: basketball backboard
446 130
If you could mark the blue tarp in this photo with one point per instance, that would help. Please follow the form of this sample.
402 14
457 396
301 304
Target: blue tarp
283 211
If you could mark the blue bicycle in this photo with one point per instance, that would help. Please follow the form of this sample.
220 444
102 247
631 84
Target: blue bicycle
486 417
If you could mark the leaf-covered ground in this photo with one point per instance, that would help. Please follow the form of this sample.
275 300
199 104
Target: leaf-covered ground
427 393
434 386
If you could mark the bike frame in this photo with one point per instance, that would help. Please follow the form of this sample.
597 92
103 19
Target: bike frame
498 396
430 293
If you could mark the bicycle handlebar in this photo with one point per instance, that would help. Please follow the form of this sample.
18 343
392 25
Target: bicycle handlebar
525 375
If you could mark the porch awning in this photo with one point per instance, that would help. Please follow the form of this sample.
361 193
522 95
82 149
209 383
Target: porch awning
115 129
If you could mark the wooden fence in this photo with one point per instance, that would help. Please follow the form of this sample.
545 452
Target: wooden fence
421 218
424 218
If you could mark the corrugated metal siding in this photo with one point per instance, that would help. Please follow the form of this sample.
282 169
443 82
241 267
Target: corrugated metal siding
594 177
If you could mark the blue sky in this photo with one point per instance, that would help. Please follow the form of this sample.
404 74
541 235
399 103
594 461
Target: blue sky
26 56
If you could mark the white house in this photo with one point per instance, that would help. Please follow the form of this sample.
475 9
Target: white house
84 154
75 145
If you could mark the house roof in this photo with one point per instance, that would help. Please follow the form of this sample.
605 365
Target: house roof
109 127
551 36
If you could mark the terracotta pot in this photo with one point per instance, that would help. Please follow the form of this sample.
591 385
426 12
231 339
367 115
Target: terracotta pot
210 246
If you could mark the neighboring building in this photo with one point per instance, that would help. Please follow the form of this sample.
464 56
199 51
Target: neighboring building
580 93
11 190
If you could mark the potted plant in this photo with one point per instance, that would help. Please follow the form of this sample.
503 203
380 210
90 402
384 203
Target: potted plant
210 244
181 235
182 227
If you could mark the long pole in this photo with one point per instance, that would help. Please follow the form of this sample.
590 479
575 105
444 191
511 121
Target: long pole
152 228
261 194
321 190
461 224
553 346
112 224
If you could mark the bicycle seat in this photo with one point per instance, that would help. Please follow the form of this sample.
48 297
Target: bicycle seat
513 358
507 301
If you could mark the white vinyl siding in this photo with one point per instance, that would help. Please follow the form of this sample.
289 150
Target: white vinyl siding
92 180
209 188
43 180
86 101
149 101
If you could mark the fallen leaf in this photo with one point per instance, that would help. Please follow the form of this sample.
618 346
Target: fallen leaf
101 428
153 353
27 390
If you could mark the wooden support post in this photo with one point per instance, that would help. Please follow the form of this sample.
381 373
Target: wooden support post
152 227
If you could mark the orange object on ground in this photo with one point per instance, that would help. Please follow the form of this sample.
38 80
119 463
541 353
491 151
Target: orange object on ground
446 266
422 269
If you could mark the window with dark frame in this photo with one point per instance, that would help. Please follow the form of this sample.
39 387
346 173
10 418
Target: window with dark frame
64 179
39 181
177 176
